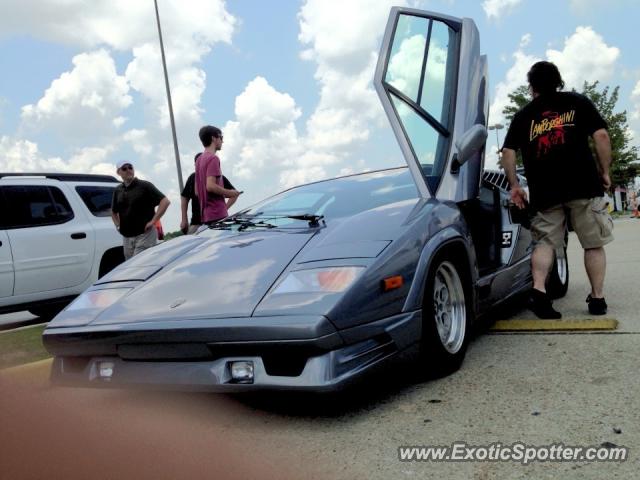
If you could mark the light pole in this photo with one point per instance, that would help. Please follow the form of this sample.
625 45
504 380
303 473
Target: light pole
166 82
496 127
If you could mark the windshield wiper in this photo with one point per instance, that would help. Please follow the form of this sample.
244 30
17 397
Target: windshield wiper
246 220
243 224
314 220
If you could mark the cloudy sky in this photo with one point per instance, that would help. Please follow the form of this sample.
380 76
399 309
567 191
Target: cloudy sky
289 82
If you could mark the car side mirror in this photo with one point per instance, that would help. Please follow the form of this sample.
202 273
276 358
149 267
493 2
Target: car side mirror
472 141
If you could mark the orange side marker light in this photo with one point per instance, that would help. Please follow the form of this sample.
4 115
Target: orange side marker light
392 283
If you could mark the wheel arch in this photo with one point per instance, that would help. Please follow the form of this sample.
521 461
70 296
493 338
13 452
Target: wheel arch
452 243
110 259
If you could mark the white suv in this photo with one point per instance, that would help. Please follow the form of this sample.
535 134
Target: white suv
56 238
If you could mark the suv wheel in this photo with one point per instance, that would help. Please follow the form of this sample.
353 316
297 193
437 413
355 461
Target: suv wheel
47 312
110 260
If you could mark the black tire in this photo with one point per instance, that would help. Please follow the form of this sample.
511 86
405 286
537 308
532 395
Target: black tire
446 319
558 280
47 312
110 260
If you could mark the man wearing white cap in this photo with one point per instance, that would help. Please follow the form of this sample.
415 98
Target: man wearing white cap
133 210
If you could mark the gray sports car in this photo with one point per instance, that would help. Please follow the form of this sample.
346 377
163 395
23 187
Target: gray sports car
315 286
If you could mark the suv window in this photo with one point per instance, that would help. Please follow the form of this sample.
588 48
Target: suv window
97 199
34 206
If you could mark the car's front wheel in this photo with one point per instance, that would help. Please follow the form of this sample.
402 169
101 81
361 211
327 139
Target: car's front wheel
445 319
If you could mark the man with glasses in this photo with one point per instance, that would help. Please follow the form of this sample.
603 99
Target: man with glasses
189 195
209 183
133 210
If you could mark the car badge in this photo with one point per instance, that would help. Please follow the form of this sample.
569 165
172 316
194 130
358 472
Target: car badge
178 302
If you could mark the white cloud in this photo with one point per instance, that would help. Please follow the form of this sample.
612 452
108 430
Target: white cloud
263 139
139 140
345 52
262 109
190 29
635 97
82 101
20 155
498 8
515 77
585 57
525 40
119 24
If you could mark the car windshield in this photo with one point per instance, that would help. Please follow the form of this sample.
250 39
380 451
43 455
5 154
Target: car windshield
339 197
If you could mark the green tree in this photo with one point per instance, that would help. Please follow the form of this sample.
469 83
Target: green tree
622 152
518 98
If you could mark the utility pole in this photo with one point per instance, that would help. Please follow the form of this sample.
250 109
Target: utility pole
166 82
496 127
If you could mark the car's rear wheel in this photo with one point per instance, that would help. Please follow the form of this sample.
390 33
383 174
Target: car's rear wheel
445 319
558 280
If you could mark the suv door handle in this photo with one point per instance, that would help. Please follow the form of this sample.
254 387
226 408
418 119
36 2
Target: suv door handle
79 235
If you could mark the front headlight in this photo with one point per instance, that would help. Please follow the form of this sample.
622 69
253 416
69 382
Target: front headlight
319 280
98 298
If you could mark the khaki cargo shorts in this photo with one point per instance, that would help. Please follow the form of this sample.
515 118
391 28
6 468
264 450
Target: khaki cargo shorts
589 217
134 245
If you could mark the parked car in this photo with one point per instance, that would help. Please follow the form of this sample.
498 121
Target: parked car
317 285
56 238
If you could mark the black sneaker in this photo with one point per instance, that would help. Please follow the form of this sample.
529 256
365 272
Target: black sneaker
597 306
540 304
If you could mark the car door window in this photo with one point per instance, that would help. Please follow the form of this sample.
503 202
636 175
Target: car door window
420 79
97 199
34 206
436 91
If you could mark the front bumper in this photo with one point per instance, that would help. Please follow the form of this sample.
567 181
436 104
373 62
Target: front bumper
326 363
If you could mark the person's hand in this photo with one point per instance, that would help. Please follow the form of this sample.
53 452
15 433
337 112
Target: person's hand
233 193
606 181
519 196
184 225
149 226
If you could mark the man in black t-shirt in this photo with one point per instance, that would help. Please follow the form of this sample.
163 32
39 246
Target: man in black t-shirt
189 195
133 210
552 133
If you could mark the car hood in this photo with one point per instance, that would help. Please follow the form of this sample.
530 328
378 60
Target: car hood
223 276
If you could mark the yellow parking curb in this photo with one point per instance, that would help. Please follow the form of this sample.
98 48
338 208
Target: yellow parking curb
570 324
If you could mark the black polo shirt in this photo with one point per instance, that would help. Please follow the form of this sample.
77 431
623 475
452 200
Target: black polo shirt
136 205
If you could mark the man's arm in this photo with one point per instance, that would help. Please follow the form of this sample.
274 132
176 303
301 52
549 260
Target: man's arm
116 220
213 187
184 203
231 201
162 207
603 149
518 194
